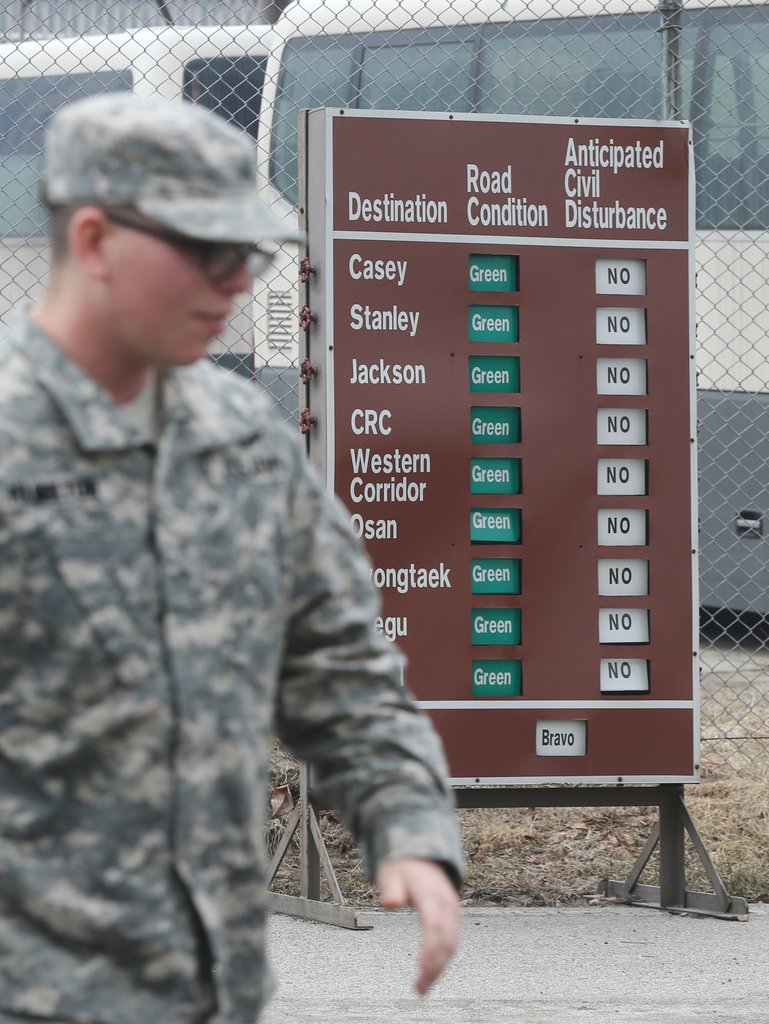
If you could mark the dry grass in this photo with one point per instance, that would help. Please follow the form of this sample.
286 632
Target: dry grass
554 856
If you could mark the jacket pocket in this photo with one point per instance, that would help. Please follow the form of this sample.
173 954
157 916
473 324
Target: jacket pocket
77 593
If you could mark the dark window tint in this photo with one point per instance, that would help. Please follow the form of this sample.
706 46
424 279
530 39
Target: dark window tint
726 95
26 104
429 75
590 67
230 86
315 73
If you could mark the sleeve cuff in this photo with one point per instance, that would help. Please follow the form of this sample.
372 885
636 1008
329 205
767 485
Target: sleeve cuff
424 834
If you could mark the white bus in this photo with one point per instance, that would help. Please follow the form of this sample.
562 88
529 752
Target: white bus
592 58
221 68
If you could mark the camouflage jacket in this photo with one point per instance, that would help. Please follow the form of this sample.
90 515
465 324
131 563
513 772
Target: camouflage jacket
164 611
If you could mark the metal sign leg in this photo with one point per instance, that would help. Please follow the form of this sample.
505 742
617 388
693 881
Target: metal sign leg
313 860
671 894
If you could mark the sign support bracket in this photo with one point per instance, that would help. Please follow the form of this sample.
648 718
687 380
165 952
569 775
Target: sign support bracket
313 859
675 823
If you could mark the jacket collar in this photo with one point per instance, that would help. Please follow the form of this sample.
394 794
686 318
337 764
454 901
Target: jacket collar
201 414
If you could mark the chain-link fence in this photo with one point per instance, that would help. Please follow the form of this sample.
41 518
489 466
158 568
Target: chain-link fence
705 61
20 19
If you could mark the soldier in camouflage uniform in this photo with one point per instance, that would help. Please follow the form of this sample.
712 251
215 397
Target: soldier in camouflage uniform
175 588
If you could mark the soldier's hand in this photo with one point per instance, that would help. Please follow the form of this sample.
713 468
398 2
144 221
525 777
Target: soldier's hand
425 886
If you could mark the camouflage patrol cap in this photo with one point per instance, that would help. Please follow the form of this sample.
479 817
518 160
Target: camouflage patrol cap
177 163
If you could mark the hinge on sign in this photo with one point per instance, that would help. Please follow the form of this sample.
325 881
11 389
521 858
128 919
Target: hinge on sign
305 269
306 421
306 317
306 371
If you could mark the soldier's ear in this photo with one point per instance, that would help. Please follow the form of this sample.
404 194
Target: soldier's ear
88 240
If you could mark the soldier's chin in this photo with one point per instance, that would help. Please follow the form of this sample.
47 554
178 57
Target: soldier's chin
213 325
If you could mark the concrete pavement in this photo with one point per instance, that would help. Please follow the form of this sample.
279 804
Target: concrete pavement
578 965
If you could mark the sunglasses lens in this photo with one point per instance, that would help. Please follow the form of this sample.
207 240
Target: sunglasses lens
222 260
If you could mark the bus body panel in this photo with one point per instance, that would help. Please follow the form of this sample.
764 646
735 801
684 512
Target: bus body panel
734 501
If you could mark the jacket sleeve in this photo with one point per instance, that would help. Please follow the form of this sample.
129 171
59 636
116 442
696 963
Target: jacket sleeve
341 703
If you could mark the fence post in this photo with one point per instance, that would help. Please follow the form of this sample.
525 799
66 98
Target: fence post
670 11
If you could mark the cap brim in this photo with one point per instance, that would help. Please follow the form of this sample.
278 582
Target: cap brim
223 219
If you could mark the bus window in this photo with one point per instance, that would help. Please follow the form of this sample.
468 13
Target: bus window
230 86
315 73
419 76
597 67
728 106
26 104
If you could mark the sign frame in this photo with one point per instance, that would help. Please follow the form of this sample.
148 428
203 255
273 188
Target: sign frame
323 345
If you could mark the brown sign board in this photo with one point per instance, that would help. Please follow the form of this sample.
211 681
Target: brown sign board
503 399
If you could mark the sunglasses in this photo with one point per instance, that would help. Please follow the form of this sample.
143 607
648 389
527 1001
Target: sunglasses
217 260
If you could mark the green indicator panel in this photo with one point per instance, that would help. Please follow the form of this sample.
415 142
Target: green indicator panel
495 476
495 525
495 373
496 575
492 273
496 626
497 678
492 323
492 424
